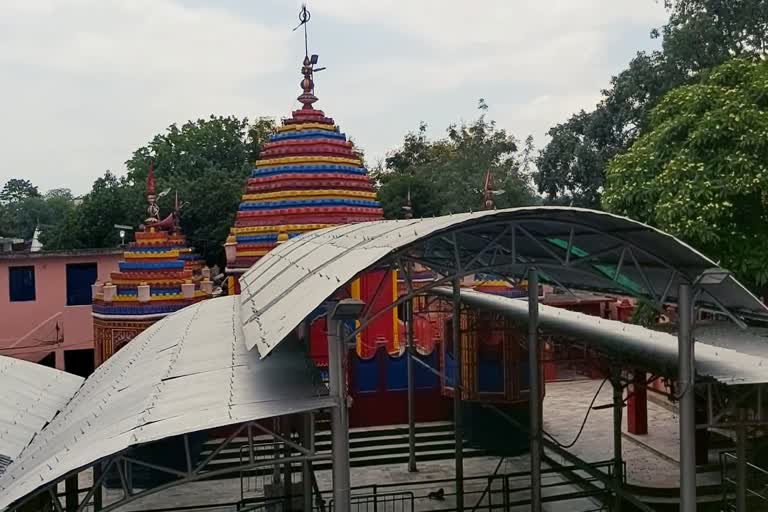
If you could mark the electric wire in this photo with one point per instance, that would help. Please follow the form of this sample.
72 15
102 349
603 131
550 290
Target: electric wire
583 423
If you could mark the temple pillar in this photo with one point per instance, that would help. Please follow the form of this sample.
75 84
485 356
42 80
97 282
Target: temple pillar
187 290
109 292
637 405
143 292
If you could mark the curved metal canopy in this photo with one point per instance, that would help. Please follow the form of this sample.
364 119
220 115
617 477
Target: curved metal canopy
31 396
188 372
573 247
653 350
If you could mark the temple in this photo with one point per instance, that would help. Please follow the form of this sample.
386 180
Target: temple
159 275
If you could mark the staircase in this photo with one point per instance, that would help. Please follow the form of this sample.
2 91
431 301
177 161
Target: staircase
371 446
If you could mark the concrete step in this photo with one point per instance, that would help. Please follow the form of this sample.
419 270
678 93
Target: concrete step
237 447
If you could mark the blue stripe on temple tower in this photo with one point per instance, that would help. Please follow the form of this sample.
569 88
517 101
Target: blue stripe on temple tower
308 134
311 202
165 265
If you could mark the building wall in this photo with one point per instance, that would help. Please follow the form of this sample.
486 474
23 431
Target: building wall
28 328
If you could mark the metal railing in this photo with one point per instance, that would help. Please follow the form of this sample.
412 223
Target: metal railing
482 493
757 478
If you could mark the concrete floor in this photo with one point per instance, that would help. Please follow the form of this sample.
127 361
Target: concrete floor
651 461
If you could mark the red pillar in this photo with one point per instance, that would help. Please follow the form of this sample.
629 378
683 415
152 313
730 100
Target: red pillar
637 406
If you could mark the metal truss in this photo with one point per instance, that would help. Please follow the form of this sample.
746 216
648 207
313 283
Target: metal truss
124 462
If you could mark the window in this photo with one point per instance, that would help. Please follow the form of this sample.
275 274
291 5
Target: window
80 277
21 283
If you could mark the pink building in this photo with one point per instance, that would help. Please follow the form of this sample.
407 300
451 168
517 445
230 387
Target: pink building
45 305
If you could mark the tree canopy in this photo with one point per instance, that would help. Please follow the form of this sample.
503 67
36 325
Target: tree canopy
699 34
700 171
207 162
446 175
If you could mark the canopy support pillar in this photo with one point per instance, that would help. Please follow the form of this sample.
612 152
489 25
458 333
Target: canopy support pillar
741 463
339 419
306 468
457 387
534 397
410 354
618 404
687 416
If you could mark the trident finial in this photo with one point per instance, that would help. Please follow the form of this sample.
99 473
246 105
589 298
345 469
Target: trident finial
307 97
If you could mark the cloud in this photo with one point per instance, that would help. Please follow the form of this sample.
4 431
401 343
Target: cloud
86 82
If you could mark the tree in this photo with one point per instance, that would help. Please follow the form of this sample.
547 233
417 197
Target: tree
700 172
700 34
207 162
23 209
16 190
446 175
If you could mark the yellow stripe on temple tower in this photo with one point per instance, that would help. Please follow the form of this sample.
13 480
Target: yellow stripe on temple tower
275 162
308 126
290 228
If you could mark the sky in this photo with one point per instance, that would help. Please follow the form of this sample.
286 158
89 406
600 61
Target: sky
86 82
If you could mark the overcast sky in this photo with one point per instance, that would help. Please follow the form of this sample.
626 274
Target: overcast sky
85 82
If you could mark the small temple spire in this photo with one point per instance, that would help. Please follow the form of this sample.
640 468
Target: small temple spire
408 208
488 191
153 210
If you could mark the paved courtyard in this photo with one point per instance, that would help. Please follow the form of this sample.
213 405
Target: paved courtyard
651 461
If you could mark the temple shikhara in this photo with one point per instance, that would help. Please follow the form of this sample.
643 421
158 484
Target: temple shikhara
308 177
159 275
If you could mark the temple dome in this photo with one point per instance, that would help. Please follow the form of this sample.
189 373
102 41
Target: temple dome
308 176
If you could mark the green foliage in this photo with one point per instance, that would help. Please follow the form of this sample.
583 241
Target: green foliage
644 314
700 34
16 190
701 170
22 208
446 175
207 162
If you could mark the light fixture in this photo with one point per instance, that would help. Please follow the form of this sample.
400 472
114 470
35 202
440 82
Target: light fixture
347 309
712 276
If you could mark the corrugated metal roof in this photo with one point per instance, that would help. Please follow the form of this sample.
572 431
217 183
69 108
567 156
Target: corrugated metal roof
188 372
296 277
31 396
651 349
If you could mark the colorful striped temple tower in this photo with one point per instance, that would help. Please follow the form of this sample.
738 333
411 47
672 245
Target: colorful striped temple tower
160 274
308 176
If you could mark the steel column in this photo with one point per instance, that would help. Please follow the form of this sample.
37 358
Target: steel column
457 387
687 415
618 404
339 420
72 494
534 396
741 463
410 354
97 492
306 468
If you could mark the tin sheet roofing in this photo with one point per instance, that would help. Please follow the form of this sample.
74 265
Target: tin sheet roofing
292 280
31 396
653 350
188 372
